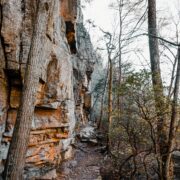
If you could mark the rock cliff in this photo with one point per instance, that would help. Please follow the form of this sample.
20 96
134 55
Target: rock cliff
64 80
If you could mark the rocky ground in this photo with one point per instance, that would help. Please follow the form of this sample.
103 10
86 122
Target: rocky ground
88 160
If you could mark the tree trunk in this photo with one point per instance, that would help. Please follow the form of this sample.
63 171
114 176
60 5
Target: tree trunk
119 97
110 102
16 156
174 120
157 86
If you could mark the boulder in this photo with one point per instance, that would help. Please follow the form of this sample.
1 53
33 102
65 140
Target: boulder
88 134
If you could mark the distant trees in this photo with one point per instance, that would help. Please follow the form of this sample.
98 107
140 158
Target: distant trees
116 46
134 133
142 114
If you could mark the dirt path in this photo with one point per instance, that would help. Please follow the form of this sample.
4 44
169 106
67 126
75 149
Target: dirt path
84 166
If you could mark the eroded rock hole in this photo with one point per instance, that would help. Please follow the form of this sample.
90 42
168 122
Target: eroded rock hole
14 89
70 34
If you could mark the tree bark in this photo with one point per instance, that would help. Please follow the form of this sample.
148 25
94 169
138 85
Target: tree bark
110 84
174 120
157 86
119 98
16 156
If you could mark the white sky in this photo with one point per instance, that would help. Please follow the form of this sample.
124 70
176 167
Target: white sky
99 12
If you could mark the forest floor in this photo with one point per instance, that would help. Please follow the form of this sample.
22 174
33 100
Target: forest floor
88 163
85 165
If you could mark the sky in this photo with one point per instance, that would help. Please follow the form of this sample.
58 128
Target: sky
100 14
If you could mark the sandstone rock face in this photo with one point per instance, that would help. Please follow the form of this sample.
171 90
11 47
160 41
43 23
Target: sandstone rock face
64 80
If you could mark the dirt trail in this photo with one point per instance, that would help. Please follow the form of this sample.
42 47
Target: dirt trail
84 166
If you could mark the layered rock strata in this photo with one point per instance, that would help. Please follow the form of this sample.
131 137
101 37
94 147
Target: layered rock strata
64 79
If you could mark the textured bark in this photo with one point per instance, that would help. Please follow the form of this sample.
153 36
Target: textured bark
157 86
17 151
174 120
110 98
119 98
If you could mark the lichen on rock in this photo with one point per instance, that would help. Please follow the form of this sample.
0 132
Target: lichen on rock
64 80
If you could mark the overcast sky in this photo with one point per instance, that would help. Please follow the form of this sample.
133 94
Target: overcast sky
99 12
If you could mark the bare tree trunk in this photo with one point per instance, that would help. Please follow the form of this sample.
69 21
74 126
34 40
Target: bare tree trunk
110 102
157 86
172 78
16 156
174 120
110 86
119 98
